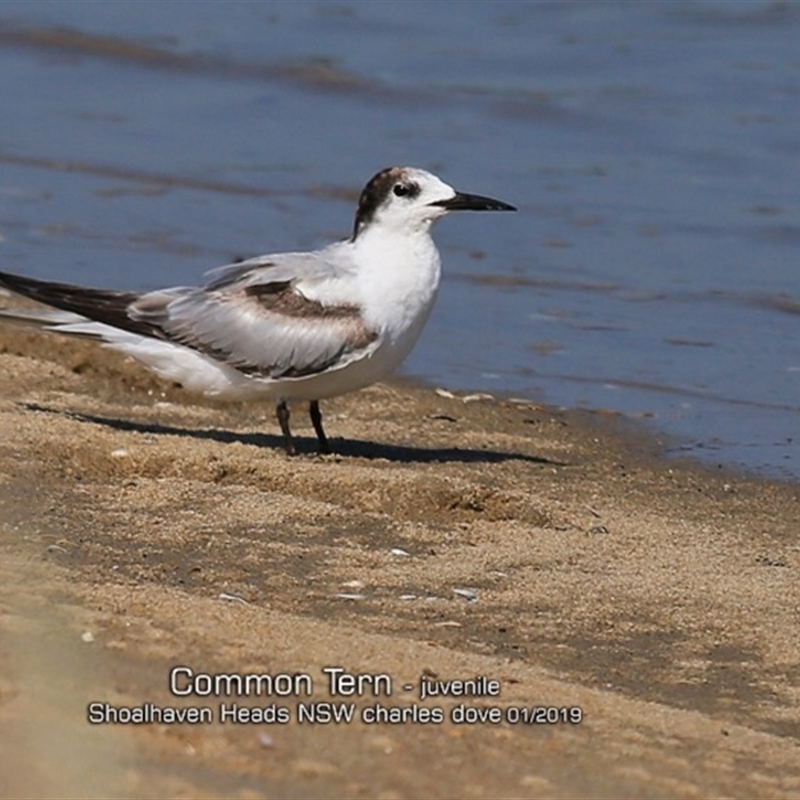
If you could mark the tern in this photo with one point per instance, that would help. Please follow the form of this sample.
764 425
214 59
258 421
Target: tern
286 326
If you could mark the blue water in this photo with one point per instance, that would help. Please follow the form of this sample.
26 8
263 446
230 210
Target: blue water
653 150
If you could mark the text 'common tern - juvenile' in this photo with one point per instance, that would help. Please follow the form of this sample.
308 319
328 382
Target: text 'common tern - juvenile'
287 326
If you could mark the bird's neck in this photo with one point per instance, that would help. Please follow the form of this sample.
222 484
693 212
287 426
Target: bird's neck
394 256
397 270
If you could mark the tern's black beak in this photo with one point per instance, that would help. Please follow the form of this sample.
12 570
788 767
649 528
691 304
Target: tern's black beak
472 202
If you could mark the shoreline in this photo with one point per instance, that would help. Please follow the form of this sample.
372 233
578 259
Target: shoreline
554 552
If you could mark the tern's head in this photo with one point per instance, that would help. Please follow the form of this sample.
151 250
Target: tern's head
410 199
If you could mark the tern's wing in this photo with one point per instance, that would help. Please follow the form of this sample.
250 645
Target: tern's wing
331 263
267 329
261 315
259 324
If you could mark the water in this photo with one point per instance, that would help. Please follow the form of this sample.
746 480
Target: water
652 149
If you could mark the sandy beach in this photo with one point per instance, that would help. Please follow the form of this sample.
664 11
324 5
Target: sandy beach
626 626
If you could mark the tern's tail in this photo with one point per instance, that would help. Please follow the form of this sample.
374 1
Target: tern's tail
69 306
39 317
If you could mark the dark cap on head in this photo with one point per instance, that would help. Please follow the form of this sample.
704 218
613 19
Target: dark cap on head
376 192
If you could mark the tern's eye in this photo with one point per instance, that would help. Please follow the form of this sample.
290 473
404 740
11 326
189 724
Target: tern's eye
401 190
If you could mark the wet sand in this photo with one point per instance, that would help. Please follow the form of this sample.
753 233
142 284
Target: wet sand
552 552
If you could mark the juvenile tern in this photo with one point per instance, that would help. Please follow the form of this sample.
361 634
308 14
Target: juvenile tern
285 326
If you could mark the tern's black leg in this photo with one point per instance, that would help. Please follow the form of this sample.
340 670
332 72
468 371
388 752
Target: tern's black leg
316 421
283 420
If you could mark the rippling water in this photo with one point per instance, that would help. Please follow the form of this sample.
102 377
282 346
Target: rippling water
652 149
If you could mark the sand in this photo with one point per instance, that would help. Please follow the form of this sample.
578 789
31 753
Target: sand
643 611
